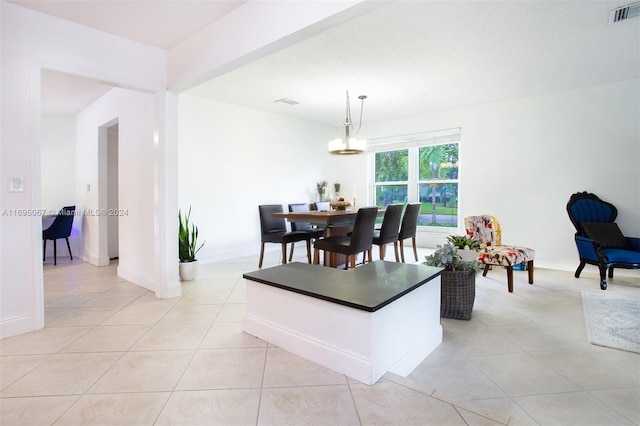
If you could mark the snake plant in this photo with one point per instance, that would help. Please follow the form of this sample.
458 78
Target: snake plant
187 239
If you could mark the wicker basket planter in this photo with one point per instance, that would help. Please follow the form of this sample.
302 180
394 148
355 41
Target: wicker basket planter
458 292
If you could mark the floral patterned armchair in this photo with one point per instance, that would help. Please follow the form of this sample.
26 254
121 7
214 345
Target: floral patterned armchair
486 229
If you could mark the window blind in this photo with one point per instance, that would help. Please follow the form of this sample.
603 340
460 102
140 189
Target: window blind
413 140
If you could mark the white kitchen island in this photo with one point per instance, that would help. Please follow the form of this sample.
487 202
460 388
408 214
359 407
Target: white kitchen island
382 316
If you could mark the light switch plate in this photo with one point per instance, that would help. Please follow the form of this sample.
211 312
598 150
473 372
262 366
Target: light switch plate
16 184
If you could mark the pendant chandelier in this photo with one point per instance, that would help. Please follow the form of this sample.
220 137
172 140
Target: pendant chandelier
349 145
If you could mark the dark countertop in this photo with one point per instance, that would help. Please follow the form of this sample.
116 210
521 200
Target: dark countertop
368 287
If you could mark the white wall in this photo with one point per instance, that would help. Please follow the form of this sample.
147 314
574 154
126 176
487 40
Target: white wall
58 161
521 159
232 158
58 173
32 41
134 113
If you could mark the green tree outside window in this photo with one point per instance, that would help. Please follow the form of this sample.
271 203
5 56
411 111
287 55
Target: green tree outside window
435 181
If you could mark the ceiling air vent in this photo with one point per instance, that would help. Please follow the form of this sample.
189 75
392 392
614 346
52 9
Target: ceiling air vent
287 101
625 12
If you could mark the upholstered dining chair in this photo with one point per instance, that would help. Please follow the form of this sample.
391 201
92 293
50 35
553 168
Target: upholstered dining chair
486 230
321 206
314 232
408 228
389 230
274 230
598 239
60 228
360 240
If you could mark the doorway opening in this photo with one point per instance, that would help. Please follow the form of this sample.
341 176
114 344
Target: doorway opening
108 220
112 192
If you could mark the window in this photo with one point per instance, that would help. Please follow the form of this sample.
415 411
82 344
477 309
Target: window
392 177
420 168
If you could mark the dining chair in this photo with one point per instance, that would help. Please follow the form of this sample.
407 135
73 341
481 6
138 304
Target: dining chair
313 231
389 230
60 228
486 229
274 230
408 228
321 205
360 240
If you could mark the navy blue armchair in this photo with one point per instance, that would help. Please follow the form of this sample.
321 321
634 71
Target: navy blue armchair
598 239
60 228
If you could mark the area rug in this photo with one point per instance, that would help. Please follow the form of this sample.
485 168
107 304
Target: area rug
612 321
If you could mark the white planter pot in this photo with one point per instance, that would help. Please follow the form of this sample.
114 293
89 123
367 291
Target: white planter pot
467 255
188 270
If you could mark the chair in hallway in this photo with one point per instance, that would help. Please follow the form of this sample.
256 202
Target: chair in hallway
274 230
389 231
486 230
598 239
60 228
360 240
408 228
314 232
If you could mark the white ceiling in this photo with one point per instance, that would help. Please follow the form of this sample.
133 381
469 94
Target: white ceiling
64 94
407 57
160 23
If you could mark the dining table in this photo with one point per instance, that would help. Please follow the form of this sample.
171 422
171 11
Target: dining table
333 222
321 218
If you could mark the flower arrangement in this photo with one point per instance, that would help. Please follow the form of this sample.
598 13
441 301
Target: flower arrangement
446 256
322 189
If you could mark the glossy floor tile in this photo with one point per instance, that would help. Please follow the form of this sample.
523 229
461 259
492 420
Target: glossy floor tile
112 353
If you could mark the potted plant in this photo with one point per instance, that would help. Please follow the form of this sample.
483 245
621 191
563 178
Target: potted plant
466 246
458 282
187 247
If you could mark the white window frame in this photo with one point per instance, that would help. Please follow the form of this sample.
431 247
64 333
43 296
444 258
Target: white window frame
412 143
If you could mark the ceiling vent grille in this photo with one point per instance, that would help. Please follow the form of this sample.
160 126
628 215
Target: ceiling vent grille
625 12
287 101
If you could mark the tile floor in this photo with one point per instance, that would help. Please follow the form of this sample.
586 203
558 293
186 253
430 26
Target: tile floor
111 353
